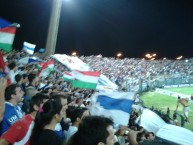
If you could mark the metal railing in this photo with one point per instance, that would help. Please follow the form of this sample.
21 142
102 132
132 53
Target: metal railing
147 85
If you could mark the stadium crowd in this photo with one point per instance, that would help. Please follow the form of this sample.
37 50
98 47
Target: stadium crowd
135 70
41 110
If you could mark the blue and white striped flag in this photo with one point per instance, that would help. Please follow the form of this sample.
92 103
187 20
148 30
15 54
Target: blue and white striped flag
29 48
115 105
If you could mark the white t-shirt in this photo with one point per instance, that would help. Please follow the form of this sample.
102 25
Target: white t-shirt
12 76
71 131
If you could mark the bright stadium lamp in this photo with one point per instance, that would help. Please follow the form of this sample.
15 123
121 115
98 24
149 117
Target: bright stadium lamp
99 56
180 57
119 55
147 55
74 53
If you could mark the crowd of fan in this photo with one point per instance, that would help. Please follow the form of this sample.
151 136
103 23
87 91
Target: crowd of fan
121 70
47 110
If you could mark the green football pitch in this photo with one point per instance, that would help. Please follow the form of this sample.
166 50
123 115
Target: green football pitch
162 102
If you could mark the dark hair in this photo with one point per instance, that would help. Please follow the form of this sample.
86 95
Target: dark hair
24 76
31 77
77 113
140 135
91 131
148 134
10 90
46 90
21 68
18 78
37 100
69 111
12 65
50 108
78 100
55 96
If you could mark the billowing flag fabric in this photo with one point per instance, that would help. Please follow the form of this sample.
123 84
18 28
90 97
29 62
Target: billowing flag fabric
67 76
26 60
85 79
46 68
7 35
115 105
72 62
40 65
75 63
2 62
105 84
4 23
32 60
29 48
151 122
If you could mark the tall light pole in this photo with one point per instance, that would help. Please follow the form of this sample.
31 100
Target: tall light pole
53 27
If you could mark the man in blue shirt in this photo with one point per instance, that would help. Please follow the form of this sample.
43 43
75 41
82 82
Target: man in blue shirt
13 96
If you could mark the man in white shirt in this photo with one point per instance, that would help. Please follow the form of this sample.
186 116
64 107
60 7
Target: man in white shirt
76 116
12 72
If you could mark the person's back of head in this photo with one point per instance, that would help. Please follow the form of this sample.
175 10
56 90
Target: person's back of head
141 136
31 77
50 110
25 78
64 102
29 93
12 65
9 91
69 111
37 100
18 78
79 101
150 136
47 91
77 114
93 130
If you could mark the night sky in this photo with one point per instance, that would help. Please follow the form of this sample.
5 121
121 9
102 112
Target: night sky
93 27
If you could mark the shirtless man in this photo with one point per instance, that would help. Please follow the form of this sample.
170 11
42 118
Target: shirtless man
184 102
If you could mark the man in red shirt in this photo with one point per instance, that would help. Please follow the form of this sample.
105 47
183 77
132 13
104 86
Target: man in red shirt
20 132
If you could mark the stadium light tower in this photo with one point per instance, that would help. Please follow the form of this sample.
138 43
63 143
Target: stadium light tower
53 27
